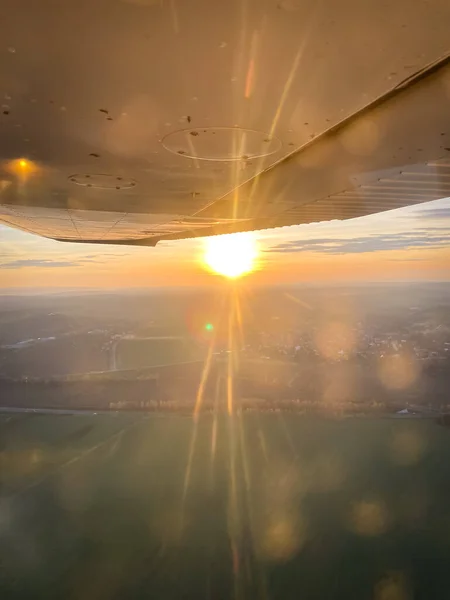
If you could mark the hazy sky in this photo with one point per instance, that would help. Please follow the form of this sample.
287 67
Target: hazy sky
406 244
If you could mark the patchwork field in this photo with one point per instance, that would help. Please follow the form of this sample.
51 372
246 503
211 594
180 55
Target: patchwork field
254 506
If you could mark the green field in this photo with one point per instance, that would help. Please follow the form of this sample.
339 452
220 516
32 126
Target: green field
139 353
259 506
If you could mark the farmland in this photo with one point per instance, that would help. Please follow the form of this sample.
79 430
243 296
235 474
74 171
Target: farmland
253 505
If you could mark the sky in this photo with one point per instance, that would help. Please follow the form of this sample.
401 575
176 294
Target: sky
408 244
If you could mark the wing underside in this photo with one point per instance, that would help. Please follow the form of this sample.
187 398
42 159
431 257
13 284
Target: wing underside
200 179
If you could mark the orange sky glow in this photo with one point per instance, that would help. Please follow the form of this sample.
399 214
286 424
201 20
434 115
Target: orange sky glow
406 244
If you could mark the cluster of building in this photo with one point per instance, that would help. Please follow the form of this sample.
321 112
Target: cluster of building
340 342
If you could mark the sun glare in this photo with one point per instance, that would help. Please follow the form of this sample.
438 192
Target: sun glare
22 167
231 255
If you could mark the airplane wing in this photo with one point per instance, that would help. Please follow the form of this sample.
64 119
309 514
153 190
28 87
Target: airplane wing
136 121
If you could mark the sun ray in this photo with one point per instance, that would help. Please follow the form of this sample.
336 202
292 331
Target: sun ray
214 428
239 323
196 415
298 301
283 97
204 377
230 364
174 16
288 437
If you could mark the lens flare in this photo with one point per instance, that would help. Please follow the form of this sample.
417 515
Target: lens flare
231 255
22 167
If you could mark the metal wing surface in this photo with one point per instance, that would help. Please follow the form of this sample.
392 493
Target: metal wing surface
135 121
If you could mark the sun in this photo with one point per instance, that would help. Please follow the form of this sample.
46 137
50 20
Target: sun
231 255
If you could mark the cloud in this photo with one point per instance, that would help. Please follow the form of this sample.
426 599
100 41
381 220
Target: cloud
364 244
11 260
430 230
89 257
407 259
442 212
40 263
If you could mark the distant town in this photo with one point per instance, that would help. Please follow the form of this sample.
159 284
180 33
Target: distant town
361 350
